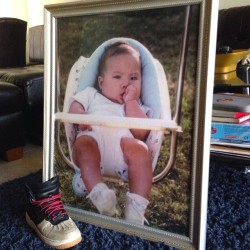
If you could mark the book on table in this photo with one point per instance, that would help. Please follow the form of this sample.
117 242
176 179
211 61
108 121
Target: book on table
230 128
232 132
222 150
230 108
228 142
236 119
237 135
228 113
232 143
231 102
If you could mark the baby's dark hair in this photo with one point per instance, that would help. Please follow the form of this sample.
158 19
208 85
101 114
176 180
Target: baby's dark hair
114 49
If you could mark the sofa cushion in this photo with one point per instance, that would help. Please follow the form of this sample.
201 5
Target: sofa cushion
30 79
36 44
11 98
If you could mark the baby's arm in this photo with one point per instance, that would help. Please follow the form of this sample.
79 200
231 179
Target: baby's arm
133 109
77 108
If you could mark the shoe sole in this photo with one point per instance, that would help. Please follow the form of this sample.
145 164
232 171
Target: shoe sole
49 242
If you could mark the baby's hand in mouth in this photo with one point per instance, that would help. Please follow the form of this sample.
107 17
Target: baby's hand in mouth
130 93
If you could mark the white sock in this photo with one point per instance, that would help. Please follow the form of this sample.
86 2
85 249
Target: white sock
104 199
135 208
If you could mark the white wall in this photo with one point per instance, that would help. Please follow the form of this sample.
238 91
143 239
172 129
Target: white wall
13 8
225 4
27 10
36 9
32 10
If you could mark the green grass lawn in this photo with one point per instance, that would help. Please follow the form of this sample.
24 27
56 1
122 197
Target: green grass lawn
160 31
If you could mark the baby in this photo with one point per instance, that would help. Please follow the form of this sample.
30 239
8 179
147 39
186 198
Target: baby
103 150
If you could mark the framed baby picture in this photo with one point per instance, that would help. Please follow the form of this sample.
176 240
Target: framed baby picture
128 100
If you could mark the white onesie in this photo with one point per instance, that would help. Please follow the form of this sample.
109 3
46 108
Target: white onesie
108 139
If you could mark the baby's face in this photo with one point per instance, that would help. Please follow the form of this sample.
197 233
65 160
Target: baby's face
121 71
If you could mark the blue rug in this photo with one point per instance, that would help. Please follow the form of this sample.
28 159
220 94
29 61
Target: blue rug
228 217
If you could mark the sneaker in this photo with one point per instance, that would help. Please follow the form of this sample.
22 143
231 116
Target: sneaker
104 199
135 209
47 216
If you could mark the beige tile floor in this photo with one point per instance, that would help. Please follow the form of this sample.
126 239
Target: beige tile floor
31 162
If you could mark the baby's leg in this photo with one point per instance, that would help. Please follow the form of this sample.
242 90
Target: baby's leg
138 159
140 179
87 157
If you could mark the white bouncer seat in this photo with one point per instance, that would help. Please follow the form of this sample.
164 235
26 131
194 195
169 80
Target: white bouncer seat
154 94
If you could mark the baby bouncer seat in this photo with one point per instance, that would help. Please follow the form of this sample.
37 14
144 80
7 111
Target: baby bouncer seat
154 94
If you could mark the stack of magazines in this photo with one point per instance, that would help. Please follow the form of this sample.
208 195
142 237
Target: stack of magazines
230 130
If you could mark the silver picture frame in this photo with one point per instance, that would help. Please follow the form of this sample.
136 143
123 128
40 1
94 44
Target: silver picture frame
183 37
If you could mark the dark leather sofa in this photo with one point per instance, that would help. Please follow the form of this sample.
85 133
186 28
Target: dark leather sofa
12 136
234 28
21 87
233 34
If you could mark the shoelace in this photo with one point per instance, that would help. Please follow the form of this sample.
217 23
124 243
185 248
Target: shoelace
52 206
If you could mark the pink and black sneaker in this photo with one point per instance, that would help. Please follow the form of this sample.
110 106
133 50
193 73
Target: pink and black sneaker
47 216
